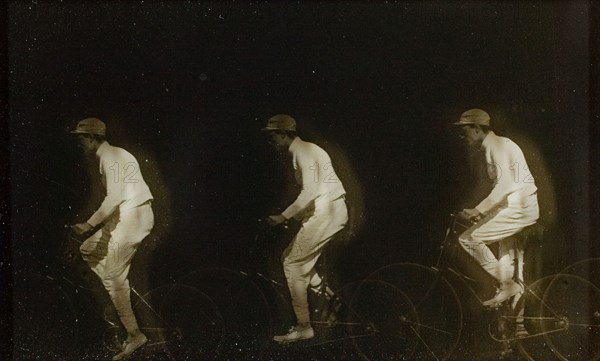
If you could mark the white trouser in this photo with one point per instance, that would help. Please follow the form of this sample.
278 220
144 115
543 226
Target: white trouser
502 222
300 256
109 253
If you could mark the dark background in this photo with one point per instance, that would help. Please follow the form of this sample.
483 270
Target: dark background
186 87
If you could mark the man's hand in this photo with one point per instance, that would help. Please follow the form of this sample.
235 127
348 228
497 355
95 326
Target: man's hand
82 228
470 214
276 219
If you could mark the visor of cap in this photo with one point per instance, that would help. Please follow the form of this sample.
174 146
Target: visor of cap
464 122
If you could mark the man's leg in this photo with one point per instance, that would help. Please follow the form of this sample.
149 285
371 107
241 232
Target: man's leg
133 227
316 284
94 251
495 227
300 258
298 266
508 253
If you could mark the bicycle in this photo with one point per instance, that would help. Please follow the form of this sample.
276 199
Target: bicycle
544 323
64 313
59 309
368 319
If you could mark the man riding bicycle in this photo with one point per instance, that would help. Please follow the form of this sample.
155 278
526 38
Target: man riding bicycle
322 210
510 207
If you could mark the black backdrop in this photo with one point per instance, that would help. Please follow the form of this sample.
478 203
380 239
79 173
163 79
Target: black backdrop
186 86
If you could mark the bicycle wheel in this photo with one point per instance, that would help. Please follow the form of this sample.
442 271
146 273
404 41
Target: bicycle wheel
436 303
246 312
574 303
587 268
45 324
382 322
182 320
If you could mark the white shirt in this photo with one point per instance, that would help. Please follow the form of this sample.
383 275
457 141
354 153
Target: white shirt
121 176
314 172
506 165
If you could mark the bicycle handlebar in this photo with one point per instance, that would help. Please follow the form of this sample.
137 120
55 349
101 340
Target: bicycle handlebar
458 218
69 250
71 234
265 222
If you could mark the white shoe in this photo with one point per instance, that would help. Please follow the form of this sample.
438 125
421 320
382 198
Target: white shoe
507 290
296 333
130 346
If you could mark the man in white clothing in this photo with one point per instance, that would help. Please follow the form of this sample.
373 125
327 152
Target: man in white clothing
125 218
511 205
320 207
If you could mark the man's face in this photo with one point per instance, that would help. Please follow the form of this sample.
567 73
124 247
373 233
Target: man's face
470 134
276 139
86 143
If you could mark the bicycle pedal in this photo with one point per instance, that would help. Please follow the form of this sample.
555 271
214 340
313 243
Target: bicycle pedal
521 331
506 352
370 327
328 322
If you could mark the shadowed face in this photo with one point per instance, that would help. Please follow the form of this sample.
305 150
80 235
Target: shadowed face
276 139
86 143
471 134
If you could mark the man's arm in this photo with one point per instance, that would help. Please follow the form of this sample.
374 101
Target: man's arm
276 219
82 228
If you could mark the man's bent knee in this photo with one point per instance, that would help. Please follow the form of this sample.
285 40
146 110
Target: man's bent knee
469 245
113 285
466 242
289 268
